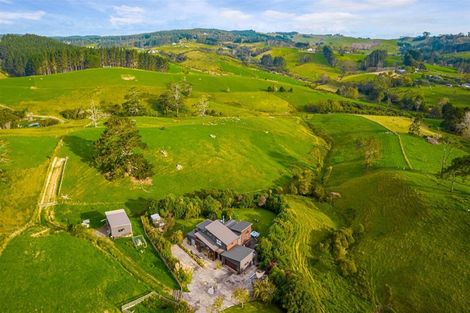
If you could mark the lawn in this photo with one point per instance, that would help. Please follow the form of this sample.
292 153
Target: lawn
147 258
61 273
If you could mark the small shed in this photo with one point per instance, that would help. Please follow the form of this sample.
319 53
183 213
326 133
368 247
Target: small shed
432 140
157 220
118 223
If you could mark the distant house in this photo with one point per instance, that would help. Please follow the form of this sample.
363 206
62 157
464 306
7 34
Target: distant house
224 242
118 223
401 71
466 85
311 50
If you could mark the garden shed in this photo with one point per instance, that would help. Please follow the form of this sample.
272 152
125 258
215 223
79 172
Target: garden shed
119 224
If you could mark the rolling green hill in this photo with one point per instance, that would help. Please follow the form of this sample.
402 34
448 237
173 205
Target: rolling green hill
415 234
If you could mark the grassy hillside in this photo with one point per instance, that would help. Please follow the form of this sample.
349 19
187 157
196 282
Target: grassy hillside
54 93
338 41
433 94
409 217
255 153
28 159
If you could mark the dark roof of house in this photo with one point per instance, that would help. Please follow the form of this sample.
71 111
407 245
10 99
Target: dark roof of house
202 226
221 232
208 242
239 226
117 218
238 253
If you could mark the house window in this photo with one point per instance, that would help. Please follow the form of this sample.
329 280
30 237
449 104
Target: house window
120 230
218 242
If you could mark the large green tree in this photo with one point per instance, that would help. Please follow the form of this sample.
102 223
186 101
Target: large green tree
117 151
460 167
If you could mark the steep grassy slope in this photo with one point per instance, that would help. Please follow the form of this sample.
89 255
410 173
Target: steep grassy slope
415 229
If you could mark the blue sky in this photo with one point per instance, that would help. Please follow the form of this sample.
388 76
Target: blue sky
366 18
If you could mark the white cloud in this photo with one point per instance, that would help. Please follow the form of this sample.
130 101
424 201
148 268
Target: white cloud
277 15
364 5
126 15
7 17
234 15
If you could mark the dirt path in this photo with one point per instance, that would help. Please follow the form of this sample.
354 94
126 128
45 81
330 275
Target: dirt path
53 182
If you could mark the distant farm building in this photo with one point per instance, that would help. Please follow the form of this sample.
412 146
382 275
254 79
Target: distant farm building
432 140
118 224
225 242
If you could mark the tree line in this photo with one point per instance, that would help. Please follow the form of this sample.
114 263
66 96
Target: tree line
36 55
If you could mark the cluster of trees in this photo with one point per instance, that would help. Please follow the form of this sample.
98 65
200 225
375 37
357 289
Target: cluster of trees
35 55
208 36
436 50
117 151
338 106
280 89
269 62
371 149
163 245
375 59
306 183
348 92
213 204
455 119
10 119
413 58
380 90
341 240
173 100
329 55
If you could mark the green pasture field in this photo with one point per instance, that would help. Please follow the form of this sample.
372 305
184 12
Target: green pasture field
433 94
347 158
60 273
410 217
415 235
254 153
54 93
28 159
